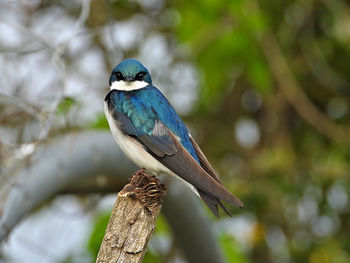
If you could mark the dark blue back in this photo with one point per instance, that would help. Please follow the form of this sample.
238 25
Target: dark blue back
144 106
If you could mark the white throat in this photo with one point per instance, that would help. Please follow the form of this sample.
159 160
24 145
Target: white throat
125 85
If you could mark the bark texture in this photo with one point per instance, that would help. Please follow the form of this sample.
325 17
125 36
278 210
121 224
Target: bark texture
133 220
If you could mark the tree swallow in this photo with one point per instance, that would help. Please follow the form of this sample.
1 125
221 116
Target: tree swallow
152 135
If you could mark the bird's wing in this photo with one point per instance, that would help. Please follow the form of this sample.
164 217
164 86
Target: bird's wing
211 201
159 143
210 188
204 161
167 149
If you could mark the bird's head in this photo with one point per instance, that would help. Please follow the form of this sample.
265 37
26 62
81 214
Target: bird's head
130 74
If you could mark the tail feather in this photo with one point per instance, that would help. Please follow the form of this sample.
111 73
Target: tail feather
210 201
213 202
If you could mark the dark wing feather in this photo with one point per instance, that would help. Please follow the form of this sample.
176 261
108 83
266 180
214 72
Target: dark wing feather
159 143
185 166
125 123
204 161
211 201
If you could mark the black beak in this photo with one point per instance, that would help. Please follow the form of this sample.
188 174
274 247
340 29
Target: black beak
129 79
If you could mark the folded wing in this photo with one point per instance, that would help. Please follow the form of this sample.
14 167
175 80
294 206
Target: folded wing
163 145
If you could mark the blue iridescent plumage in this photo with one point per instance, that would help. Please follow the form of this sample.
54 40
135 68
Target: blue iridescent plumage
147 105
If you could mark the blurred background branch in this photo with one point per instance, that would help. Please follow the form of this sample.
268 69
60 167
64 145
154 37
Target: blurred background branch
295 95
89 162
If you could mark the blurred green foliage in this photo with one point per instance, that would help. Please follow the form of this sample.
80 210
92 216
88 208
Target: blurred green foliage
293 178
222 37
229 247
65 105
100 123
97 233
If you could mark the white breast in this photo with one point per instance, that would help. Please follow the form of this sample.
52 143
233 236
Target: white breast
136 152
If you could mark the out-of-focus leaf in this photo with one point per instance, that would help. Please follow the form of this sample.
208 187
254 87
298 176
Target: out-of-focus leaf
162 225
65 105
97 234
330 252
232 254
151 258
259 75
100 123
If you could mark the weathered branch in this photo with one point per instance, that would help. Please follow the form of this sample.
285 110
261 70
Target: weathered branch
133 220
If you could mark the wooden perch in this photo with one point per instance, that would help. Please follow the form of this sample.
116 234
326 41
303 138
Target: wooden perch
133 220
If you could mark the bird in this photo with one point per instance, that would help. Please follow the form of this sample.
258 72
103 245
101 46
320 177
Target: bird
152 135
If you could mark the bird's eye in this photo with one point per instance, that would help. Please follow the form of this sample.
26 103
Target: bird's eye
140 75
118 75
